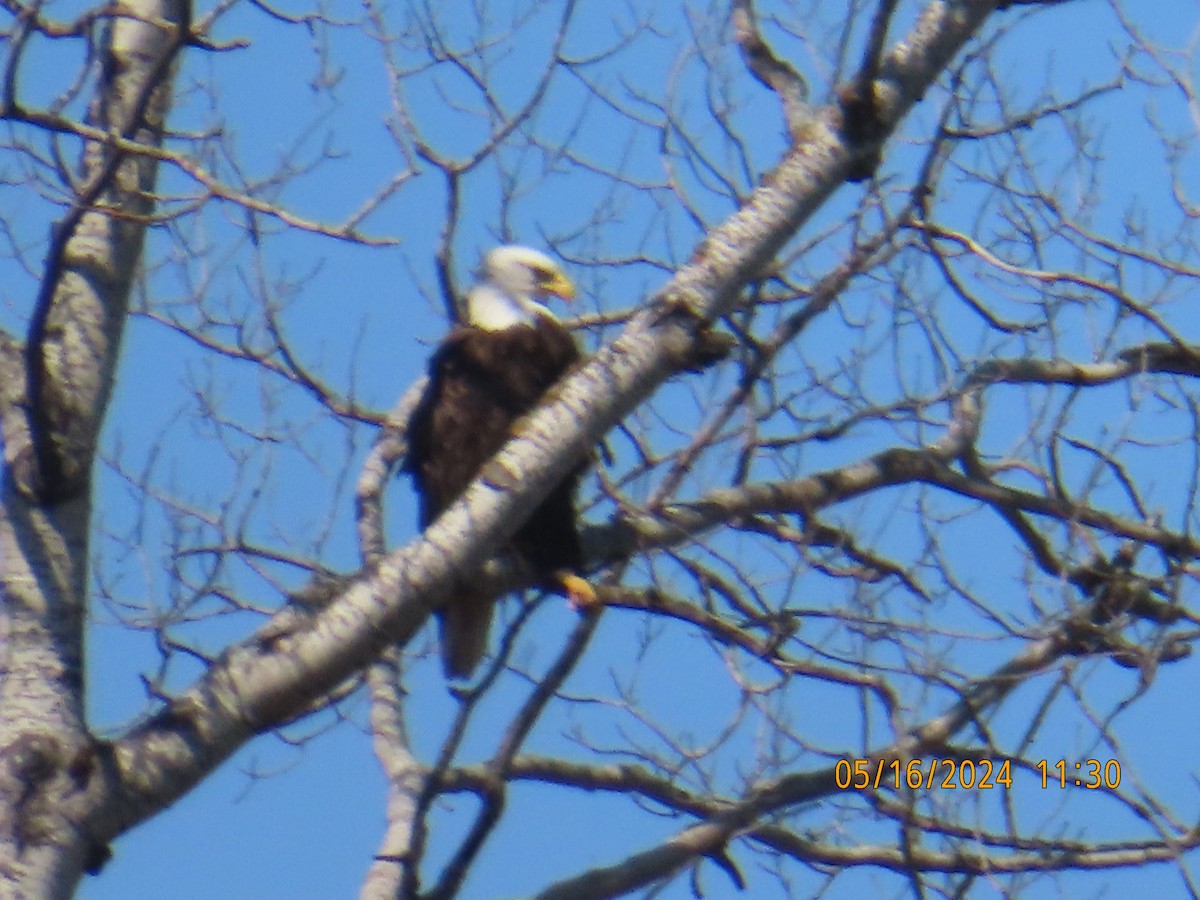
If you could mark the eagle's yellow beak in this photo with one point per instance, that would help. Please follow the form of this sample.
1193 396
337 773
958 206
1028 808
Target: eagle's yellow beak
559 285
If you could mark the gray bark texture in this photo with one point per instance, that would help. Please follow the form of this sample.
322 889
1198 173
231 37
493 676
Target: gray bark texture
63 794
55 390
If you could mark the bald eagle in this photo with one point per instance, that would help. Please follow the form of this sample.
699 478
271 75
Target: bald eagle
493 368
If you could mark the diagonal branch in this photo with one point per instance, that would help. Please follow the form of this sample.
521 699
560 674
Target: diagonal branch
708 838
260 683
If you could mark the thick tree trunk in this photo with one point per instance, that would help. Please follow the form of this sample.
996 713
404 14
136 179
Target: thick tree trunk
55 390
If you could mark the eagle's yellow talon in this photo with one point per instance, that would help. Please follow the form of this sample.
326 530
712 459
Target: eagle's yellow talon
580 594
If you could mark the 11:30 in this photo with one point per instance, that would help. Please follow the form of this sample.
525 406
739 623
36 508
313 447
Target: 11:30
1090 773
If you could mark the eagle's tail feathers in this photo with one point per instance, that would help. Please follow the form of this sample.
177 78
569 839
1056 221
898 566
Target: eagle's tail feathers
464 625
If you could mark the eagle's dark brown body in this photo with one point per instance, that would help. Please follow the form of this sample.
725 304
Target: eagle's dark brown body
480 382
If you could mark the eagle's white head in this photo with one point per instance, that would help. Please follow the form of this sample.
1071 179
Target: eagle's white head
513 283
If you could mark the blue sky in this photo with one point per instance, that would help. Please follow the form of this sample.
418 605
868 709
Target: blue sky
302 819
